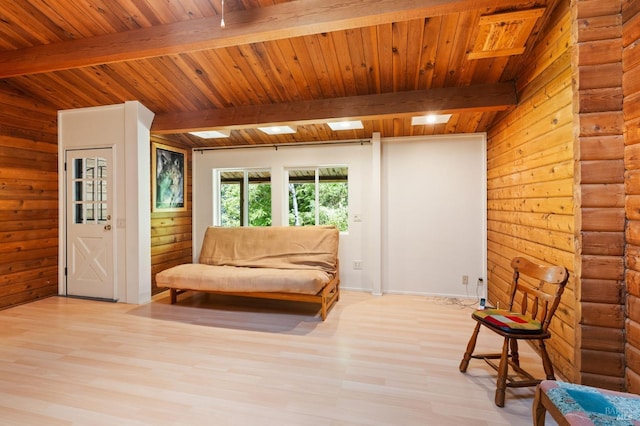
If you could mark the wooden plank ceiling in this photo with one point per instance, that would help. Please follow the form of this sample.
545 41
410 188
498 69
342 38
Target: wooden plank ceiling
301 62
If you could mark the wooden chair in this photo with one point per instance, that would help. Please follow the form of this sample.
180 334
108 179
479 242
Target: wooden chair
533 302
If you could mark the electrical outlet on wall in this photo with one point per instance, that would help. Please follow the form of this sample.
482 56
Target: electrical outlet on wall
357 264
465 279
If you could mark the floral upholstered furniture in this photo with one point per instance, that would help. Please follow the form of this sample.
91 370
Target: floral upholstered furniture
579 405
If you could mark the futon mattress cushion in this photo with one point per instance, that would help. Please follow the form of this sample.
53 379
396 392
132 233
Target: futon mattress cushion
245 280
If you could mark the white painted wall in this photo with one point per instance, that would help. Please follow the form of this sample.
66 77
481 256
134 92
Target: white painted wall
422 203
124 128
357 157
434 214
137 220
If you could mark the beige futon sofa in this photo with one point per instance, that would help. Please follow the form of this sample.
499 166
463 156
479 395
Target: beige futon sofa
275 262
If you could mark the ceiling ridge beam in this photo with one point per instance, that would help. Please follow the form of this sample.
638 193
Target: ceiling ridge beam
283 20
477 98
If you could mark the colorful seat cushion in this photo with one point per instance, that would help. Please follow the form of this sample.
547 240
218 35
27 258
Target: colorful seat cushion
585 405
508 321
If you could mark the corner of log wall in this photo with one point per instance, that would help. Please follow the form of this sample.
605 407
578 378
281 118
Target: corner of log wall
600 181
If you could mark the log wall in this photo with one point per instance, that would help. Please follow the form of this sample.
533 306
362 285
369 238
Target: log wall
530 172
556 180
599 201
28 199
171 232
631 108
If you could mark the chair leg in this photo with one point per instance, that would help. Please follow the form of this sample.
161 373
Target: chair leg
470 347
546 362
515 358
503 371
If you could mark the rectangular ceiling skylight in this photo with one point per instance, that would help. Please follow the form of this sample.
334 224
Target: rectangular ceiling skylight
212 134
278 130
430 119
346 125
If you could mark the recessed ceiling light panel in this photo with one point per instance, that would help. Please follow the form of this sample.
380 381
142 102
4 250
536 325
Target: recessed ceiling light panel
278 130
430 119
212 134
346 125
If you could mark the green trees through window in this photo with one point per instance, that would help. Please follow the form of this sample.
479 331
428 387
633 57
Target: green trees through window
316 196
319 196
245 195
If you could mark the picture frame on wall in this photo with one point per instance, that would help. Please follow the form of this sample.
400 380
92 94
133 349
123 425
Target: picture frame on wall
169 179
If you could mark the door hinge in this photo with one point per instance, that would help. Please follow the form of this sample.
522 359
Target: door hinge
65 271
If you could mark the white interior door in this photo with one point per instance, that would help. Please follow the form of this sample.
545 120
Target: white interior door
90 245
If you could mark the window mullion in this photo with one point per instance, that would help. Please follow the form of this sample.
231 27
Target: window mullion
244 198
317 195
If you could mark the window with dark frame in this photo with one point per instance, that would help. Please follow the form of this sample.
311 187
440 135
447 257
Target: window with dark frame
245 198
319 196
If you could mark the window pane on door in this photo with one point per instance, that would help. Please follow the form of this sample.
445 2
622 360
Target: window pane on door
102 168
90 166
102 212
89 215
90 190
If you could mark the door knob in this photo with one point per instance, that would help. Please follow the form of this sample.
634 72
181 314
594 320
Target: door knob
107 227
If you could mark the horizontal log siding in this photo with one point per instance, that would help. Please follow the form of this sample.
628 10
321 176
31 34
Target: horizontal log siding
28 199
530 170
599 181
171 232
631 108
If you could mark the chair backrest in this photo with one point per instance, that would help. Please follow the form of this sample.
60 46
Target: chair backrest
537 296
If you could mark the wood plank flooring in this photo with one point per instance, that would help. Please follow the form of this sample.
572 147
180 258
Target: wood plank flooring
212 360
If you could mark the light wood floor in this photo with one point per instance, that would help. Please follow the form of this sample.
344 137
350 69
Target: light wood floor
390 360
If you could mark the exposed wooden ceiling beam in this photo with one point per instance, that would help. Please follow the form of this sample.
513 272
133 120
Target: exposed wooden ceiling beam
479 98
283 20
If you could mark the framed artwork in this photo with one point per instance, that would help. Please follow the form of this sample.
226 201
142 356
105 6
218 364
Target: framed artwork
169 178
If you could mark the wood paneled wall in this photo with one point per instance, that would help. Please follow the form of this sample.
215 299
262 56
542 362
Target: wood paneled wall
599 179
171 232
28 199
556 185
530 173
631 108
